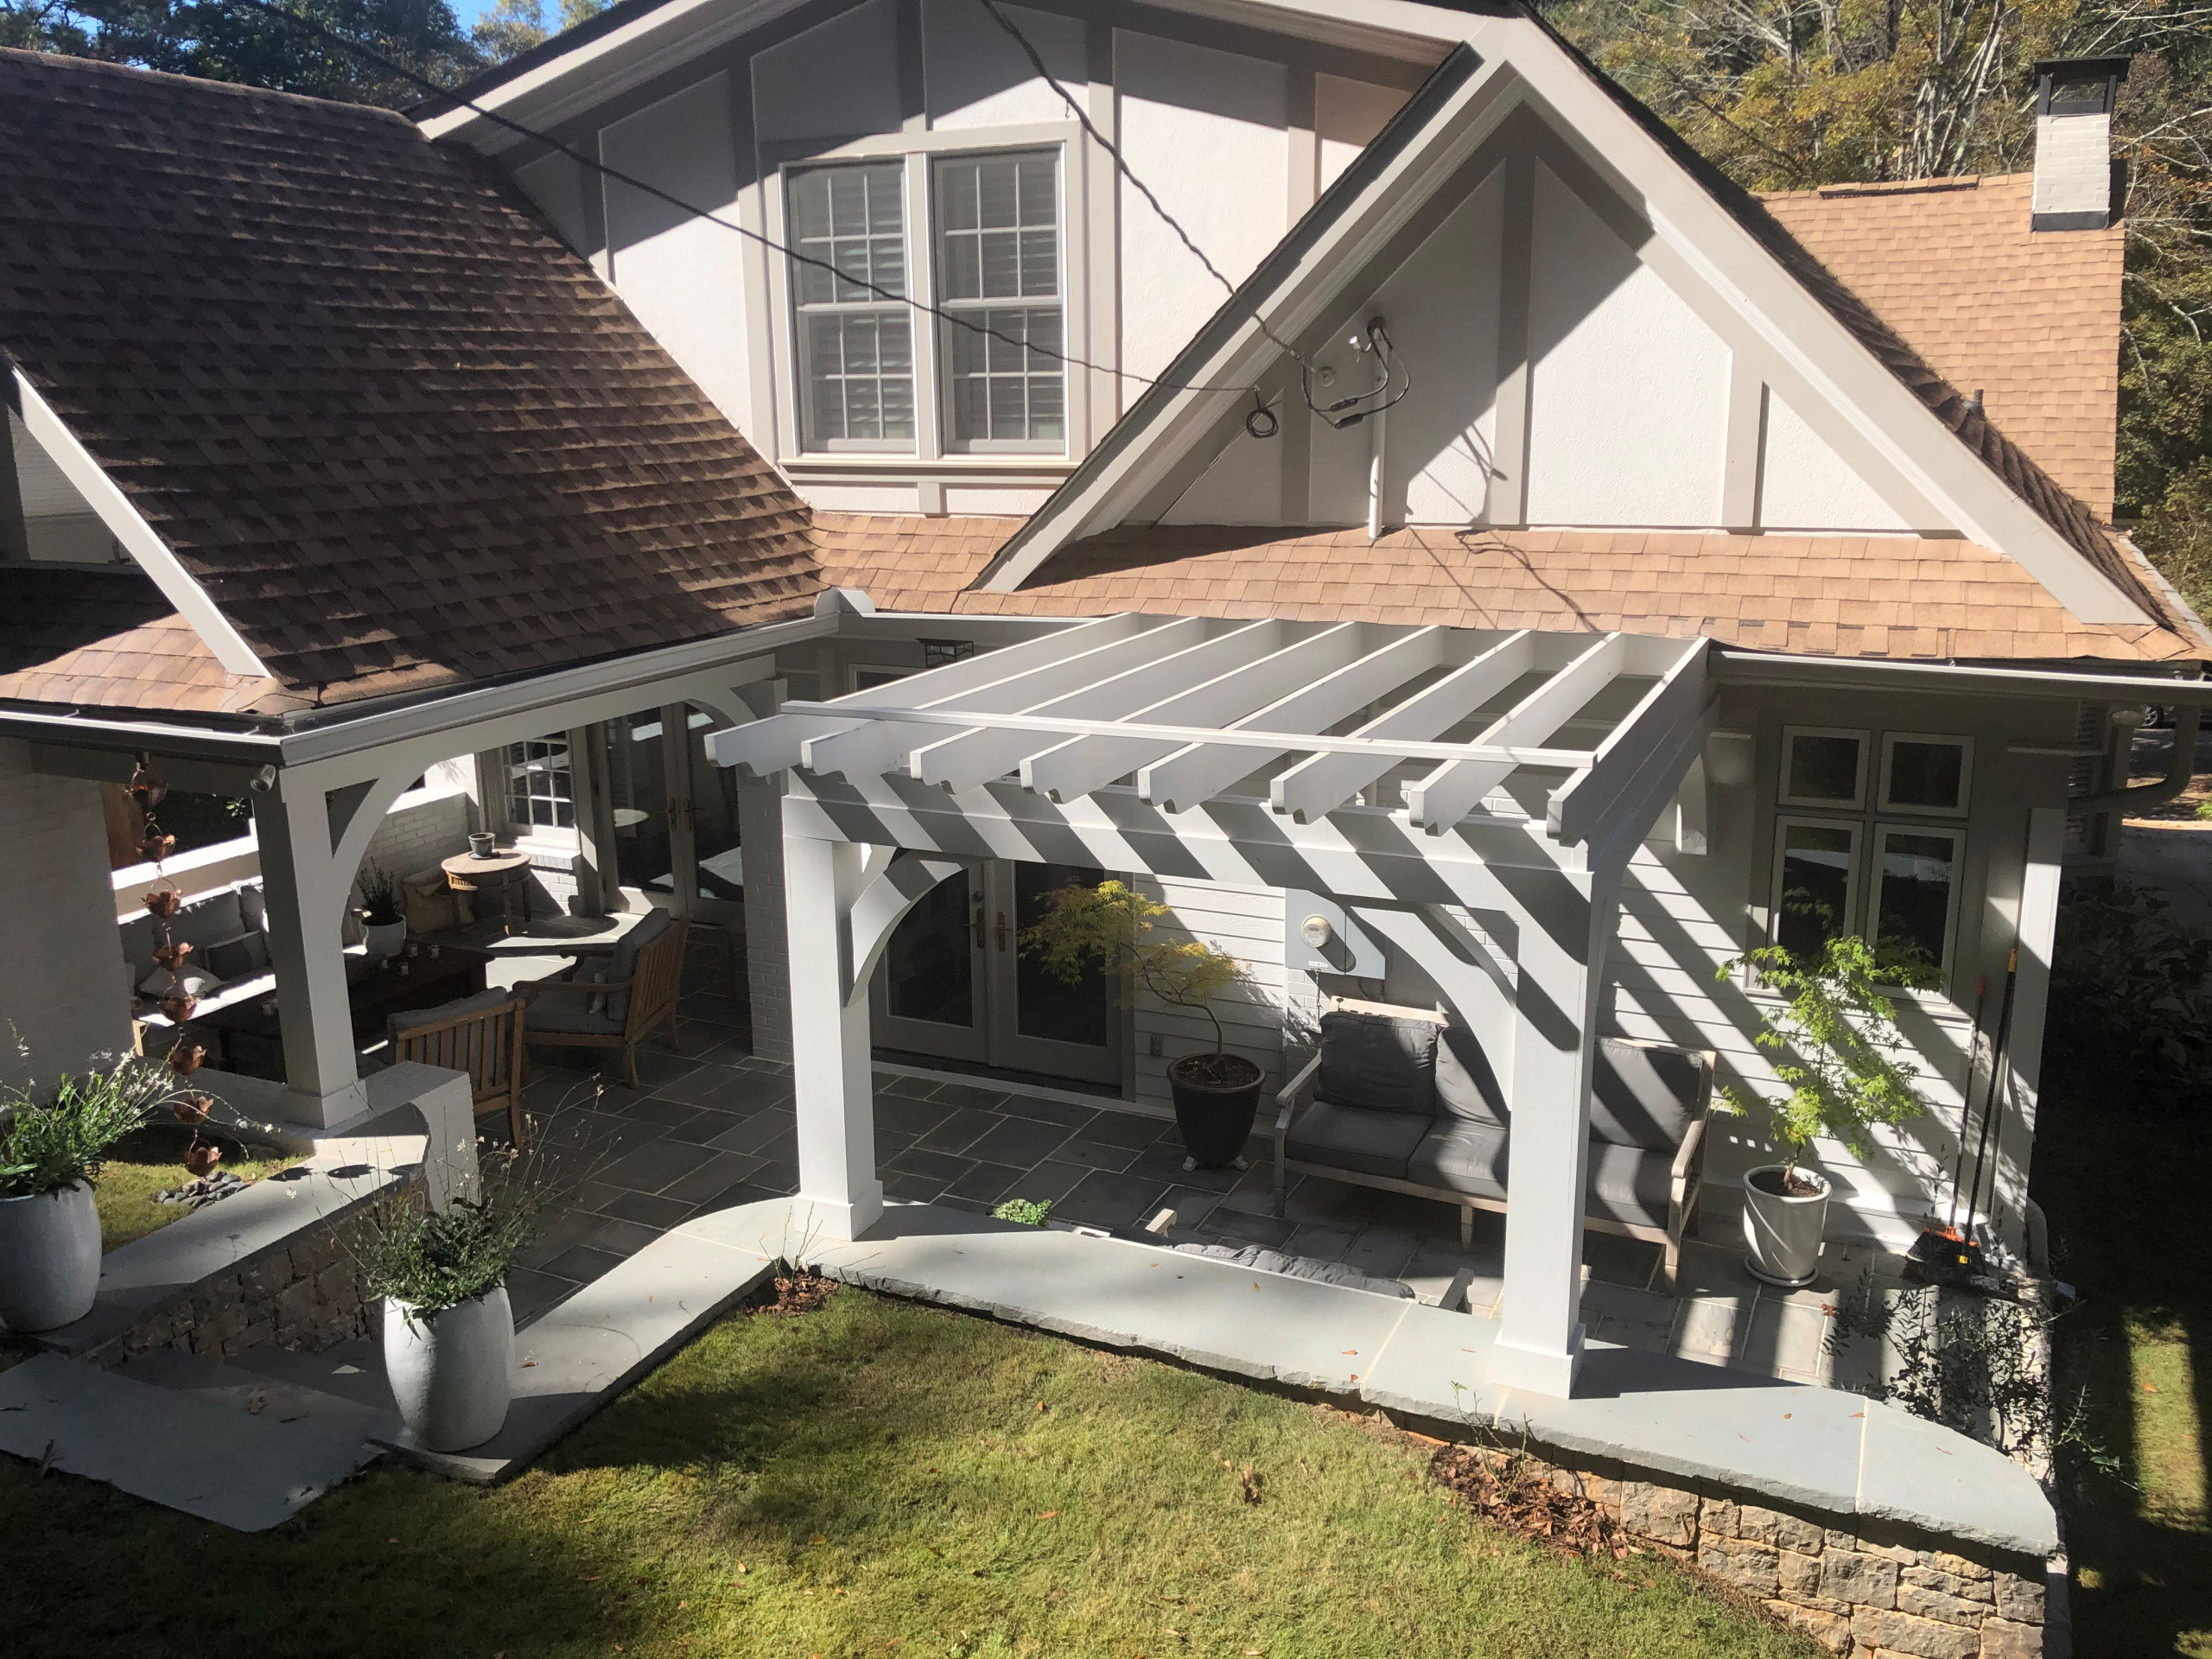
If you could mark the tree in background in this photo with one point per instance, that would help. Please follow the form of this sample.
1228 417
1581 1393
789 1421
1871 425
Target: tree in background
1790 94
512 27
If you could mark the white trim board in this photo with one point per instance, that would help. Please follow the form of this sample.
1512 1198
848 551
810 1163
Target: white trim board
124 523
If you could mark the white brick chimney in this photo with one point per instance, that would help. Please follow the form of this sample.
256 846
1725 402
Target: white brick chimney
2075 183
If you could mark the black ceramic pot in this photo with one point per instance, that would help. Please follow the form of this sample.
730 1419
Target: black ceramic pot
1215 1117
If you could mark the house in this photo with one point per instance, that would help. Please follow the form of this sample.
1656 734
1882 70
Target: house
979 539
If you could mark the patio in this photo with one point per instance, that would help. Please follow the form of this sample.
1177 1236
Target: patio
715 1127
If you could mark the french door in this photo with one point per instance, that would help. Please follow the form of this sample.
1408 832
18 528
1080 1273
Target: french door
955 981
672 814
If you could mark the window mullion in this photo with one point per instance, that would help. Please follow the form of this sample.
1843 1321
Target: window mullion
927 332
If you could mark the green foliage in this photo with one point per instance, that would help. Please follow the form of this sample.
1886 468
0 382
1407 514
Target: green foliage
47 1145
514 27
434 1261
1835 1020
1114 927
380 896
198 820
2130 1020
1030 1212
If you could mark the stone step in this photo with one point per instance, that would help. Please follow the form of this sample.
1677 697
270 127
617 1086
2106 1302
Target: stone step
282 1383
197 1452
353 1372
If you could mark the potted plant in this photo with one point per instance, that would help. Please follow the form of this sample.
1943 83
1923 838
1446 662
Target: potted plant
51 1152
448 1329
1112 926
383 922
1844 1079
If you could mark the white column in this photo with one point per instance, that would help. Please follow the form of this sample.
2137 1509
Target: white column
830 1038
306 895
1564 925
2004 1195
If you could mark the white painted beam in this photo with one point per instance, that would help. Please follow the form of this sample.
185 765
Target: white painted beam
1452 790
1579 809
1202 770
1086 763
1320 784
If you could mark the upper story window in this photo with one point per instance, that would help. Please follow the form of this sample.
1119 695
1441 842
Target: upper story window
984 243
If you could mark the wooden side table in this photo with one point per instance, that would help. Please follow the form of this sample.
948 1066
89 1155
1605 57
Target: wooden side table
466 873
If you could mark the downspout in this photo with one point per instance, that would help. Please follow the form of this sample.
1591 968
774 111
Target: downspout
2180 769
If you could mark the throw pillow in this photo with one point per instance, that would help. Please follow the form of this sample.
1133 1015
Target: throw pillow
1375 1061
1465 1086
238 959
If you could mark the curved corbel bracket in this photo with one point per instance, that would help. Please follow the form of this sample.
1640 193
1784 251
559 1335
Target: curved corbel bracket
891 892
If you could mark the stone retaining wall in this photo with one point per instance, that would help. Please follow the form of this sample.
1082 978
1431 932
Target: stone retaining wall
1867 1589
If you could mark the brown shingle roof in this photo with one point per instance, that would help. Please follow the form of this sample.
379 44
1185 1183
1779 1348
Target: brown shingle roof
104 638
400 434
1839 595
2030 319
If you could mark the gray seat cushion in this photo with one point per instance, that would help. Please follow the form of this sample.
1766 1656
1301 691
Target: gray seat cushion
1465 1086
1373 1061
1459 1156
1629 1183
1351 1137
410 1019
570 1009
1644 1096
623 963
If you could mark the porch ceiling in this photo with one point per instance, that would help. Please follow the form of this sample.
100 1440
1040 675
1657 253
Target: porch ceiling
1433 725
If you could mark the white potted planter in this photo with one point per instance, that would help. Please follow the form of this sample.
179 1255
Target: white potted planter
385 938
49 1258
1782 1227
450 1370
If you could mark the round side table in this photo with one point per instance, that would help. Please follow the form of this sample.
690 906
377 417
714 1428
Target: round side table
466 873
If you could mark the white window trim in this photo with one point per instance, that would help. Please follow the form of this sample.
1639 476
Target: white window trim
930 455
499 806
1964 745
1783 824
1858 801
1957 837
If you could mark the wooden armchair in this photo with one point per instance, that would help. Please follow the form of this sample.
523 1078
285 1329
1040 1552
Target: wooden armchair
618 1002
480 1035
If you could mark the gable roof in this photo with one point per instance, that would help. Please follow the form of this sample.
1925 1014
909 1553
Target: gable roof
397 433
1780 294
2030 320
1893 596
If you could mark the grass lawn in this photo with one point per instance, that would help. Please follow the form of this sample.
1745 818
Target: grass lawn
874 1478
124 1193
2126 1210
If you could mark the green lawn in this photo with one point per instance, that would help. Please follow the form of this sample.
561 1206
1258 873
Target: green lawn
124 1193
2128 1225
874 1478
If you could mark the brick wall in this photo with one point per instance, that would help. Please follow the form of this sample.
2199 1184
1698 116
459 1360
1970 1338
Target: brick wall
63 984
423 830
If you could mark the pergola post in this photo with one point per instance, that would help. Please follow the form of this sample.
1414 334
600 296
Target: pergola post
829 1027
1566 925
305 892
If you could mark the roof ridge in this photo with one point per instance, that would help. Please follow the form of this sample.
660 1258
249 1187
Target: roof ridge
70 63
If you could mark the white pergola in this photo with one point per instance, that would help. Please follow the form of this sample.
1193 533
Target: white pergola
1511 774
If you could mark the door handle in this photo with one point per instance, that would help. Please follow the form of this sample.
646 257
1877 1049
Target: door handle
1001 930
978 918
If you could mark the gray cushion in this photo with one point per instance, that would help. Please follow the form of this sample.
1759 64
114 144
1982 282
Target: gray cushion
568 1008
1465 1086
1373 1061
1351 1137
1460 1156
1644 1097
241 957
205 920
1629 1183
623 965
409 1018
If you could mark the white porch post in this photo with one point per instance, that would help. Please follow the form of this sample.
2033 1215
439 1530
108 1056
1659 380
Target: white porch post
1566 924
829 1031
306 895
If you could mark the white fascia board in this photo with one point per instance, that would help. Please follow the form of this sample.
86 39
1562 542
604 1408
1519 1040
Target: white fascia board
152 554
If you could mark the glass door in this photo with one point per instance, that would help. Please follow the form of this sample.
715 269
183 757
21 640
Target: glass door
927 995
643 805
715 863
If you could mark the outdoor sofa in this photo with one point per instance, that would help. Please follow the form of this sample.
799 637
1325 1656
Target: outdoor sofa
1400 1099
228 931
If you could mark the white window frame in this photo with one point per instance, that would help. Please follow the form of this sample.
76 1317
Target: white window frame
1882 827
499 805
1964 745
1851 883
1858 801
931 454
954 443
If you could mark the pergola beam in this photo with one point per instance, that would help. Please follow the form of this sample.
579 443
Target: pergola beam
1457 787
1581 809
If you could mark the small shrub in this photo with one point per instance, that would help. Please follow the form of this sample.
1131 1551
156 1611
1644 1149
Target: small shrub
47 1144
433 1262
2130 1023
380 897
1030 1212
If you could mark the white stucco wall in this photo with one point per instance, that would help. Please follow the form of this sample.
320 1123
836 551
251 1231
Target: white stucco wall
838 80
1805 485
978 76
1208 131
1347 114
1628 409
1242 486
1441 308
682 276
63 985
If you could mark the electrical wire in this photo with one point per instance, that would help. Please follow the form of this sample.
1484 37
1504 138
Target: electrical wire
368 55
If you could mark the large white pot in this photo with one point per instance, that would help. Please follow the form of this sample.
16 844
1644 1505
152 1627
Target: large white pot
49 1258
1782 1233
385 938
450 1371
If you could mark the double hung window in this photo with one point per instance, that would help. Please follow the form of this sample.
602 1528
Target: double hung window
541 793
1870 842
983 247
